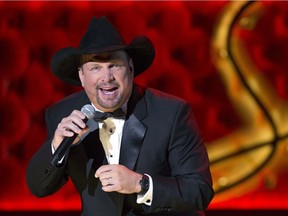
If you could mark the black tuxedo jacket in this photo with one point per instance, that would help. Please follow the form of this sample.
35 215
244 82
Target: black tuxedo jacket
160 138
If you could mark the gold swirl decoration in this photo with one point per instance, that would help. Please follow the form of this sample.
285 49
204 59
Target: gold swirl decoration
258 150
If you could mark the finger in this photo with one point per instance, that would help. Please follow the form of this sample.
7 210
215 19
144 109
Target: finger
67 132
71 127
63 130
72 123
103 171
106 182
77 118
111 187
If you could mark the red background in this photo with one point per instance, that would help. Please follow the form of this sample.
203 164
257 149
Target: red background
30 32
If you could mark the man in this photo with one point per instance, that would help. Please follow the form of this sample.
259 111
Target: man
153 163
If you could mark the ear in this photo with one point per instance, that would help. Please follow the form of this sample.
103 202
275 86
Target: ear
81 76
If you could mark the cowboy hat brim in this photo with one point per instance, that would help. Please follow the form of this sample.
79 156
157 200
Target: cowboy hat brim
65 62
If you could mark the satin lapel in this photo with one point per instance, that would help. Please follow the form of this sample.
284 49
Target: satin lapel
134 130
133 134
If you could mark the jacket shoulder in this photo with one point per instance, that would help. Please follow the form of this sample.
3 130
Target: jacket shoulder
163 97
65 106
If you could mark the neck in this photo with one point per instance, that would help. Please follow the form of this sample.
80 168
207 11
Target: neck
123 107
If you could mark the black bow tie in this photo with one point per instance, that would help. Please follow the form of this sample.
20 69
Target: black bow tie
99 116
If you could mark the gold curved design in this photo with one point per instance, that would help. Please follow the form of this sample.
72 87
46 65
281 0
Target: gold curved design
258 150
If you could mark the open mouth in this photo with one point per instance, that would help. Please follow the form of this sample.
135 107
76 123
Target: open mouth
108 91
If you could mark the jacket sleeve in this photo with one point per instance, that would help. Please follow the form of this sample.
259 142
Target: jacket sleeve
189 185
38 181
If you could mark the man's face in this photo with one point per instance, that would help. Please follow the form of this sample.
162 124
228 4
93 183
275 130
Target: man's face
107 79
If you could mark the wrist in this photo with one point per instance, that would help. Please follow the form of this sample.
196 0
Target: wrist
55 144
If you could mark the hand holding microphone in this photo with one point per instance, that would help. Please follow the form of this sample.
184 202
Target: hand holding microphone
68 127
68 130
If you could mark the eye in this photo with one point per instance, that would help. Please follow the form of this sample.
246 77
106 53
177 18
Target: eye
116 66
95 68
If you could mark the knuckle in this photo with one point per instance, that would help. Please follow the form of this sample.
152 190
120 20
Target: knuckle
64 119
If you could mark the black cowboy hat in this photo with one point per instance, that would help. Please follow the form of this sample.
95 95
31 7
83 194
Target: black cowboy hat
101 36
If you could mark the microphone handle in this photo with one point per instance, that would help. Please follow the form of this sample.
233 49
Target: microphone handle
62 149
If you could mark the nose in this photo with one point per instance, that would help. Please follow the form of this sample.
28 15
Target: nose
108 76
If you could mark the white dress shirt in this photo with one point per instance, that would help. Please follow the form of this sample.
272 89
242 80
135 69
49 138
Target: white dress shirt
113 154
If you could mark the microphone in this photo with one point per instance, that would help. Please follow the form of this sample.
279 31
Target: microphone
89 112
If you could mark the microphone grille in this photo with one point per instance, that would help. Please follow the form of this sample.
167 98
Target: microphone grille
88 111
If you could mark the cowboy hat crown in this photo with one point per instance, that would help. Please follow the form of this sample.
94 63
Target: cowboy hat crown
101 36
